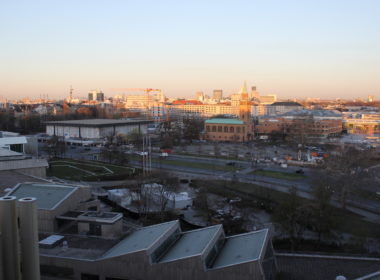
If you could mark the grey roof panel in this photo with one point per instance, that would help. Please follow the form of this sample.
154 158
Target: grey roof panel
191 243
224 121
241 248
48 195
98 122
141 239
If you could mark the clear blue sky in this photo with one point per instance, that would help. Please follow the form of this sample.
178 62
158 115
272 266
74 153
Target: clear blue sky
316 48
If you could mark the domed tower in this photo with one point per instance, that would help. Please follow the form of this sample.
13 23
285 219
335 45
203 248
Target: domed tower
245 106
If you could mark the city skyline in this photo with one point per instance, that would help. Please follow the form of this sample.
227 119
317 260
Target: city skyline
316 49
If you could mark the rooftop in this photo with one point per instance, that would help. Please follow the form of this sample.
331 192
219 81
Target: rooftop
141 239
48 195
98 122
316 267
13 140
10 178
224 121
191 243
314 113
286 103
241 248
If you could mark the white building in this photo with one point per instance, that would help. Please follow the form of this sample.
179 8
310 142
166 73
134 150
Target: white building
95 128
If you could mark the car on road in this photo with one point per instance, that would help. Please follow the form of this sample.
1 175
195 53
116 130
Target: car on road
231 163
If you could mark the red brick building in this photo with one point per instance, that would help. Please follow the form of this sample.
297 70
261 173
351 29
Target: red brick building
308 123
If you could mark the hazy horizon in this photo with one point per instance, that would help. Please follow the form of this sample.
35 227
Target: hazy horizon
295 49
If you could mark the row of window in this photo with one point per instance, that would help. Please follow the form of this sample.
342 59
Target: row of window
225 129
235 137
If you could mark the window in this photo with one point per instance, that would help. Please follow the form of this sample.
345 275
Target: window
214 129
86 276
232 129
226 129
238 129
208 128
56 271
220 128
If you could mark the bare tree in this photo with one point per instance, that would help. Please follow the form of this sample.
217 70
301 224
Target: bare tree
293 216
346 170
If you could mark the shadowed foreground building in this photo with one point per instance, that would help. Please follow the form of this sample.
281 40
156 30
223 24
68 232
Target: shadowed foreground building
163 251
76 242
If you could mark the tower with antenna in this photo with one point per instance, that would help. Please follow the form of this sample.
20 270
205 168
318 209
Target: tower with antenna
71 92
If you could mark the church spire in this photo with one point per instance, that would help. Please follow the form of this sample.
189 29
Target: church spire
243 89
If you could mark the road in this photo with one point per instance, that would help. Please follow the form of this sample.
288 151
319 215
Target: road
367 208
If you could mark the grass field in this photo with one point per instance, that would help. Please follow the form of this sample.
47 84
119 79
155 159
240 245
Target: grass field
198 165
278 174
190 164
85 170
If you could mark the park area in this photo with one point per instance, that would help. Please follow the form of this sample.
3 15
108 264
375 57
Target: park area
76 170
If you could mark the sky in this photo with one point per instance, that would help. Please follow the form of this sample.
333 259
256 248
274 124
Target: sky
292 48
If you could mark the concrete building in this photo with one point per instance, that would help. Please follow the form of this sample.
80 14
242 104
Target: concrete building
96 95
217 94
54 201
15 143
163 251
95 128
362 122
15 165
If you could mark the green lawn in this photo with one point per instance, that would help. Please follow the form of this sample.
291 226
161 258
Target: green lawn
278 174
198 165
85 170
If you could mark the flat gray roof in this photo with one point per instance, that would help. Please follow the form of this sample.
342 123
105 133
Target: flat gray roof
48 195
140 239
241 248
191 243
98 122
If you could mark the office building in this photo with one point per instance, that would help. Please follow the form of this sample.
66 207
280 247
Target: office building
217 94
96 95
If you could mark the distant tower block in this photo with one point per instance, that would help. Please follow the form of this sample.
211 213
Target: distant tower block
217 94
254 93
9 238
29 238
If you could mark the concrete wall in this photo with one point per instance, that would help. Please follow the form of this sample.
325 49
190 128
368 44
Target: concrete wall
94 132
23 164
112 230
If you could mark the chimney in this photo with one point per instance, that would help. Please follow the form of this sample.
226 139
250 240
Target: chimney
30 258
9 238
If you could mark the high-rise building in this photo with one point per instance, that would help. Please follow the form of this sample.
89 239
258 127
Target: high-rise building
199 95
96 95
254 93
217 94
